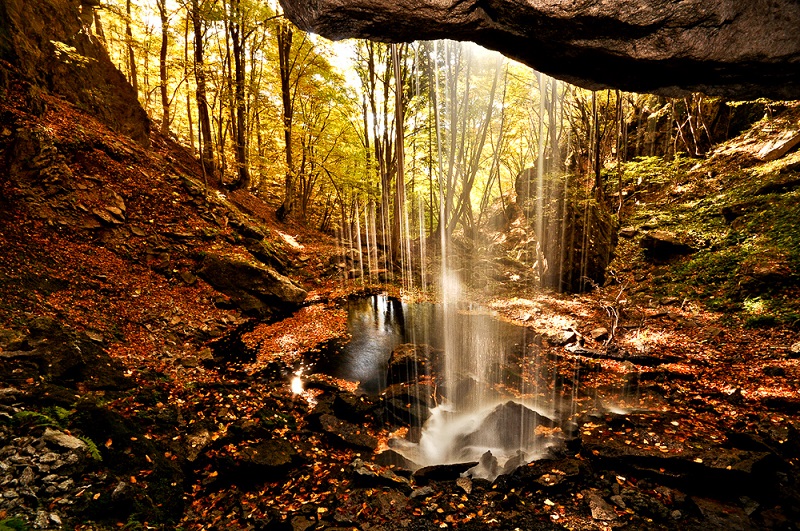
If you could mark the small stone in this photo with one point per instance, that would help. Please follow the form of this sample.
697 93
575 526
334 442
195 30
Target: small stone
676 514
465 484
27 477
63 440
794 350
599 334
10 494
116 211
601 510
49 457
422 492
628 232
618 501
97 337
190 362
42 520
55 519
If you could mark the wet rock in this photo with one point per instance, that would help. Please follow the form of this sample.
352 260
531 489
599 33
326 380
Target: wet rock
352 408
408 362
628 232
600 509
487 467
722 47
348 433
365 477
422 492
265 459
448 472
720 515
196 443
643 504
254 287
554 475
492 431
700 468
392 458
465 484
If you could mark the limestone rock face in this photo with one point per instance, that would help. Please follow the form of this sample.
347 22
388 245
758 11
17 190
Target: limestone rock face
723 47
51 43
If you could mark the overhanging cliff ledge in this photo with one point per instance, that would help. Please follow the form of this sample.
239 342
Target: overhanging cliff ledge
739 50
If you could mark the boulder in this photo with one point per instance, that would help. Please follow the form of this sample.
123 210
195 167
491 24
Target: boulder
449 472
348 433
723 47
254 287
60 356
408 362
409 404
493 430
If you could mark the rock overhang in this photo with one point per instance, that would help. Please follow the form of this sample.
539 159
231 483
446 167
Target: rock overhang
740 50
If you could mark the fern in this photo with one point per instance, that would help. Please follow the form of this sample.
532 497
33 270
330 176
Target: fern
57 412
13 524
92 447
35 418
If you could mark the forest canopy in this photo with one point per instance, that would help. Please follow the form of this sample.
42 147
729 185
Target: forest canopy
312 126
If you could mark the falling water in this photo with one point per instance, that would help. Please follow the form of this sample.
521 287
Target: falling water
476 414
359 247
492 399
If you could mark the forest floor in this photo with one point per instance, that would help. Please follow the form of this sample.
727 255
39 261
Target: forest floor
135 395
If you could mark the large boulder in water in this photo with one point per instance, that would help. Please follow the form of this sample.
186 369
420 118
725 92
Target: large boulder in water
722 47
509 426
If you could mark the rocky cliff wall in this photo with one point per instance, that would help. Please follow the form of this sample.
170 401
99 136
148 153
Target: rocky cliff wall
48 43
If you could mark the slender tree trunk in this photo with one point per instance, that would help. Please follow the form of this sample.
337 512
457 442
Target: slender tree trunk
162 66
285 37
240 137
131 55
400 188
186 76
207 143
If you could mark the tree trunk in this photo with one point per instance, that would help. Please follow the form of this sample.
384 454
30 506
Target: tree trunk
285 36
400 185
131 55
207 142
162 67
240 137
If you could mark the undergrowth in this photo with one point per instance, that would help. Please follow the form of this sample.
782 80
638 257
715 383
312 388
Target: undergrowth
743 225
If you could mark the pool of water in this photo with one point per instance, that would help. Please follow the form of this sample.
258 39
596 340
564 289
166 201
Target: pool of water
378 324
